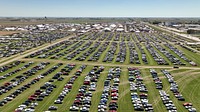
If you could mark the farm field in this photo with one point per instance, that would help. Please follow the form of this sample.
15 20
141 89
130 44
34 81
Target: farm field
103 71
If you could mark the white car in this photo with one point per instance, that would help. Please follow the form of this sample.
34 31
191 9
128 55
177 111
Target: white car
74 108
29 110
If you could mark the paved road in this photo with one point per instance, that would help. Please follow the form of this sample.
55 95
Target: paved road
180 34
183 35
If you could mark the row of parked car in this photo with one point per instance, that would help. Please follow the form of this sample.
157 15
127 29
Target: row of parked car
21 78
163 95
140 101
110 91
103 37
173 85
44 53
156 56
156 79
188 47
121 55
124 36
13 82
45 90
9 66
28 85
134 58
174 89
189 107
26 40
155 40
55 49
83 99
170 56
150 38
63 48
117 37
109 38
89 51
165 37
16 71
144 57
82 49
97 54
72 50
154 37
162 38
111 52
38 95
180 54
68 86
66 89
69 50
141 39
93 36
167 101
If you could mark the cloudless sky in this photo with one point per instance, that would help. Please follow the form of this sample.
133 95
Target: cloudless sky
100 8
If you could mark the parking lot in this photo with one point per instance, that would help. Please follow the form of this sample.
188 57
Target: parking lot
103 71
124 48
72 87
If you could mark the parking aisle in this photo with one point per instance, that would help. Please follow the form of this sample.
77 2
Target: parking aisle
124 93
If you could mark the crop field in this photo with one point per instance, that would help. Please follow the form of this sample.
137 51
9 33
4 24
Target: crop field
104 72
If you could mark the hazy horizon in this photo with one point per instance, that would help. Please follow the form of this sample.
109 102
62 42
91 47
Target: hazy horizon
89 17
101 8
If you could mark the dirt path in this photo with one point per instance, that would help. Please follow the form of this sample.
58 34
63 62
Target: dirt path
105 64
4 33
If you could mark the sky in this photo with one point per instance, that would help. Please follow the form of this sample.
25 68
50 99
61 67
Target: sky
100 8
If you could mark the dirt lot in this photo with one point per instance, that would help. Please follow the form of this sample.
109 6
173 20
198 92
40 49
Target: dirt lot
3 33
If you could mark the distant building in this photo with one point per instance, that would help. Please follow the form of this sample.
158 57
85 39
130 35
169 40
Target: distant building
193 31
107 29
119 29
10 28
169 23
